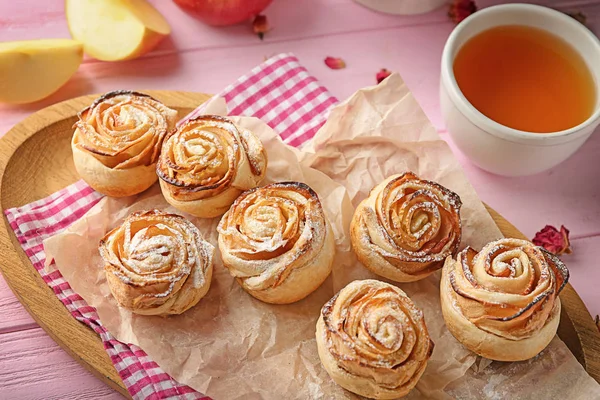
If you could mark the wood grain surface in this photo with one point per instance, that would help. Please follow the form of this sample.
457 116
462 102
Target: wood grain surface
36 160
13 318
51 364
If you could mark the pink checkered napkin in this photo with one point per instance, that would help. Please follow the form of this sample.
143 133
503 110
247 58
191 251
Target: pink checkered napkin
280 92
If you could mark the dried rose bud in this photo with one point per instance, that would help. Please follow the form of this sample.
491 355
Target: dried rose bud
553 240
261 26
335 63
461 9
382 74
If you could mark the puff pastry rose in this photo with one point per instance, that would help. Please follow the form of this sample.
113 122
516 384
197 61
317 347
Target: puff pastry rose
406 228
207 162
372 340
157 263
117 141
502 303
277 242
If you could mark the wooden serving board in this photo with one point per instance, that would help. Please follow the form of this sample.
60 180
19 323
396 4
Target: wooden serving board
36 161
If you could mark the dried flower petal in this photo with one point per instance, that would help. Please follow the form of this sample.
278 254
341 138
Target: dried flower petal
578 15
461 9
598 322
265 58
382 74
553 240
261 26
335 63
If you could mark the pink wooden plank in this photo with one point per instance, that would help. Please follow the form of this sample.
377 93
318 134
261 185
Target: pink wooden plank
27 20
32 366
289 21
315 18
13 316
583 265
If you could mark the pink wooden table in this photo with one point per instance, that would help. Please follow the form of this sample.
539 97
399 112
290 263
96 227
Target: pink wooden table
200 58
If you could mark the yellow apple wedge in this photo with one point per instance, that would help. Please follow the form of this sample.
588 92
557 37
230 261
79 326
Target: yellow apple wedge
33 69
114 30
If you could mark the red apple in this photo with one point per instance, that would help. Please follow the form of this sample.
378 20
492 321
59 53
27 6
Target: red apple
223 12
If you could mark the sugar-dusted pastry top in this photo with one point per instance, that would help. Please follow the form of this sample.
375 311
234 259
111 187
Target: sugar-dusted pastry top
373 339
157 263
124 129
208 155
406 227
273 235
508 289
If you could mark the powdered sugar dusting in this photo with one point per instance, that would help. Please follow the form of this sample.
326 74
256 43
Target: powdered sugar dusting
269 230
372 329
503 276
403 221
155 248
114 128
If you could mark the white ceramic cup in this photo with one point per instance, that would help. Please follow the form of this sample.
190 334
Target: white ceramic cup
497 148
402 7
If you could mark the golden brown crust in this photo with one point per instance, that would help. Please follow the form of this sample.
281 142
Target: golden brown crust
117 141
207 162
502 303
372 340
157 263
406 227
277 242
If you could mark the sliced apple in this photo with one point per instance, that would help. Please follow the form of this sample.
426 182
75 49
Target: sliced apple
113 30
33 69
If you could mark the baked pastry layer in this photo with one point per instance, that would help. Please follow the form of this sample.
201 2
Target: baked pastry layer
157 263
207 162
117 141
502 303
277 242
406 227
372 340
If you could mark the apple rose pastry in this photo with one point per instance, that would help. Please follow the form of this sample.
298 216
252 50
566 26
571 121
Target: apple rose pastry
157 263
207 162
406 228
277 242
502 303
117 141
372 340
